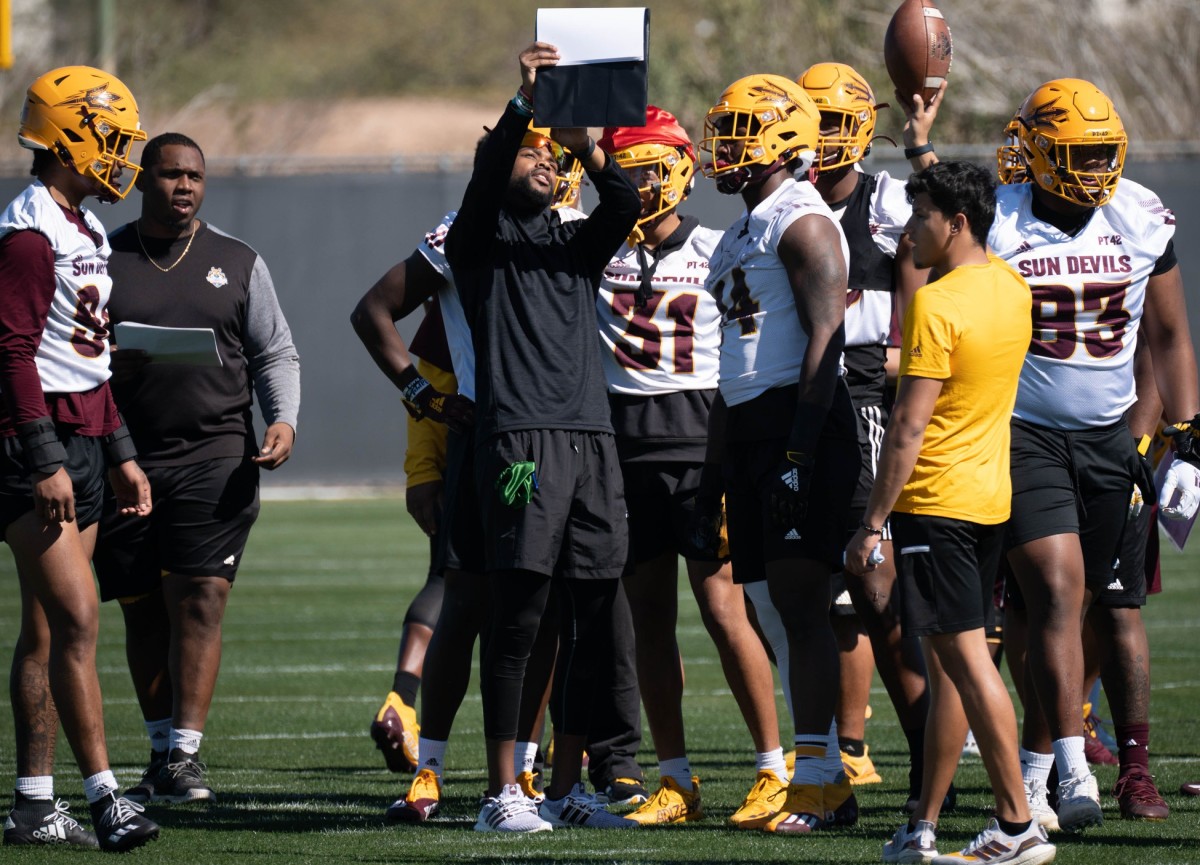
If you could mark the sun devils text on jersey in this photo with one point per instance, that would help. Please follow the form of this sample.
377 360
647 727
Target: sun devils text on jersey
1089 291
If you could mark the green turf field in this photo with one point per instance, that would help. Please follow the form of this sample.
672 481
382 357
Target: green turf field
310 643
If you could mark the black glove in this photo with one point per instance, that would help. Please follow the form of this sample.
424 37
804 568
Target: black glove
1185 435
788 491
423 400
706 527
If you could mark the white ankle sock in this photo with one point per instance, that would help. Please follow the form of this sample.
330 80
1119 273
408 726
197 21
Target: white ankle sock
1035 767
431 755
187 741
678 769
1068 753
36 786
99 785
772 761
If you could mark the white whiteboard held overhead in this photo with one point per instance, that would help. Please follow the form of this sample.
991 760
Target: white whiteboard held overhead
594 35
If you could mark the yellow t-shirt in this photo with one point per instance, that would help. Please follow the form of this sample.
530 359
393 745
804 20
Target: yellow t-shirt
970 329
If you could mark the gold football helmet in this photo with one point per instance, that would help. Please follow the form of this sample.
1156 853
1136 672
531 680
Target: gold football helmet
659 158
760 123
843 95
89 120
1010 166
1072 141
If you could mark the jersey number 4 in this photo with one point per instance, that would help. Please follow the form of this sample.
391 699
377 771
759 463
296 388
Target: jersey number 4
640 327
1056 330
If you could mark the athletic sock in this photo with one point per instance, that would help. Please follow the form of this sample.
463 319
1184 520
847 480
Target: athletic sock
187 741
1071 760
810 758
1133 742
853 747
36 787
99 785
431 755
772 761
679 770
524 756
1012 829
1035 767
406 685
160 735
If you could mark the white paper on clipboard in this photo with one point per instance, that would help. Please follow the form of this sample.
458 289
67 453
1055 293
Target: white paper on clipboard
594 35
195 346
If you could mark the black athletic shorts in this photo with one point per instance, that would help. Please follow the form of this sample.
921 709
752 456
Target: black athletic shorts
458 544
575 524
946 571
85 466
872 421
1073 482
1127 583
756 440
661 497
201 521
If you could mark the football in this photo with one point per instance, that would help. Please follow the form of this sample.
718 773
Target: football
917 49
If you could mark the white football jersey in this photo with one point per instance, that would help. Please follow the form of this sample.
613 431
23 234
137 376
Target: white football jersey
1088 295
752 290
869 313
673 341
73 354
458 332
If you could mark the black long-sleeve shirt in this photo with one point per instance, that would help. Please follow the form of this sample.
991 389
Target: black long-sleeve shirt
528 287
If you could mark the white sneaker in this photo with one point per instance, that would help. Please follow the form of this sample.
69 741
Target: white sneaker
970 747
578 808
1079 803
511 811
1039 806
993 846
919 845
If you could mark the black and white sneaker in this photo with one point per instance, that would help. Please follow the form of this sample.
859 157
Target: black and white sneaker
146 790
510 811
41 821
182 780
120 825
577 808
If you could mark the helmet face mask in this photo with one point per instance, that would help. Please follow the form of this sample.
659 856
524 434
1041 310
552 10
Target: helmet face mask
760 123
848 106
663 174
1072 141
567 184
1010 165
89 120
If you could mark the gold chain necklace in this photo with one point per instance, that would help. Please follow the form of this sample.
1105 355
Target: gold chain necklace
137 226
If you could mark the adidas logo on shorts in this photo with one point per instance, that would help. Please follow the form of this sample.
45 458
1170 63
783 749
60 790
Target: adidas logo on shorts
792 535
792 478
1115 586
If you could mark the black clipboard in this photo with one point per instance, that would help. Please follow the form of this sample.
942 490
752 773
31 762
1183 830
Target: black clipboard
612 93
